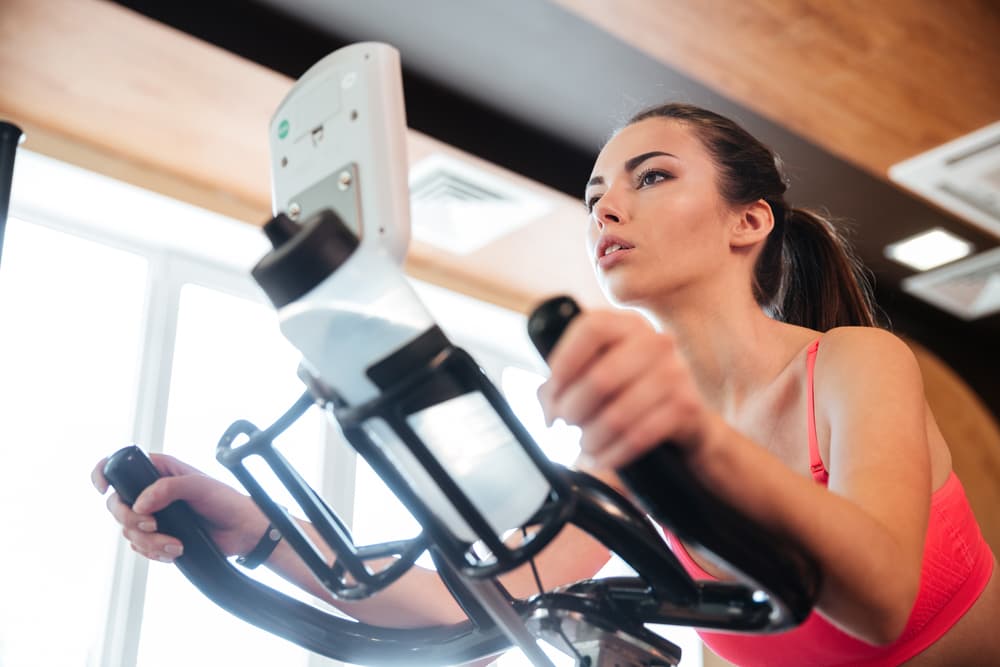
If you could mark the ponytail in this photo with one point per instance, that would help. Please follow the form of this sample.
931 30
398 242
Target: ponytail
814 277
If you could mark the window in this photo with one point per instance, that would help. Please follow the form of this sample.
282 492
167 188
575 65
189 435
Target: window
127 318
229 362
69 349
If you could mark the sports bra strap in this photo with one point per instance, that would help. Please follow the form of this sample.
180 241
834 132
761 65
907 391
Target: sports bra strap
819 471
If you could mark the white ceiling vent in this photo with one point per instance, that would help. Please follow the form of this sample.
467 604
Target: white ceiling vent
460 208
968 289
963 176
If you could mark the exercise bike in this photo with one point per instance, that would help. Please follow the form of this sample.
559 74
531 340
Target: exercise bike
424 416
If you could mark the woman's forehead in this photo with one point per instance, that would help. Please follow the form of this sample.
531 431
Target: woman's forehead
653 134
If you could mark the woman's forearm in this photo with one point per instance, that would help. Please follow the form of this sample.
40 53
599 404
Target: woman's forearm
420 598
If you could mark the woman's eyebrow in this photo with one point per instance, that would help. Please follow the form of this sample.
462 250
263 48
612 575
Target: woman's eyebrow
634 162
631 164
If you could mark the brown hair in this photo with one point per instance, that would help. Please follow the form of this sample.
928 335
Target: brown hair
806 273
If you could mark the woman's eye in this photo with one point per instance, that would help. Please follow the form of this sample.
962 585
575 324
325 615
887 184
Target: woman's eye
592 202
652 176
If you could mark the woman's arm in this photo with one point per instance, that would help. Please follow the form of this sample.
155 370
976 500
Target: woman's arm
419 597
870 394
235 524
866 530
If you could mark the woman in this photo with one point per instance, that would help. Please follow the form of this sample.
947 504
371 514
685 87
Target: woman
755 352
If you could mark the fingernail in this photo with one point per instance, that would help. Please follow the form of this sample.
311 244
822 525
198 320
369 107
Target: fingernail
174 549
101 487
147 526
165 559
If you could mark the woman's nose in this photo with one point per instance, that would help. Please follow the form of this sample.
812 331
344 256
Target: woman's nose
607 212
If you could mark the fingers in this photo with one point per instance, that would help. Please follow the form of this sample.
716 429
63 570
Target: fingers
165 552
644 434
166 464
97 476
138 523
586 336
172 467
622 366
166 490
585 340
155 546
140 530
615 421
626 385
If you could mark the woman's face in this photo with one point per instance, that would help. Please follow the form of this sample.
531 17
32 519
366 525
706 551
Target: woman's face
657 221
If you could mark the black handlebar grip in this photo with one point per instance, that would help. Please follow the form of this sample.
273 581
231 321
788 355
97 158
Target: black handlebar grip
130 471
548 322
662 482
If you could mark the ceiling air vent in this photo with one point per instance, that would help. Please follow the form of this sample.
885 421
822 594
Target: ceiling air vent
461 208
968 289
963 176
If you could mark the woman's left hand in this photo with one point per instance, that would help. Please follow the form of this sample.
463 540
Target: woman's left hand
626 386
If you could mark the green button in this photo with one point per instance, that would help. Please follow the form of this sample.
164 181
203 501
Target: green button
283 129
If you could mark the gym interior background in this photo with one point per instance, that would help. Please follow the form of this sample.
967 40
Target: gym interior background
515 99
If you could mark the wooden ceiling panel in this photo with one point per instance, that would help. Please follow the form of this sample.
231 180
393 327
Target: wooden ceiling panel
148 104
871 82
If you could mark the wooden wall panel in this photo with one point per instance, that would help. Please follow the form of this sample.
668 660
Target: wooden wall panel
973 437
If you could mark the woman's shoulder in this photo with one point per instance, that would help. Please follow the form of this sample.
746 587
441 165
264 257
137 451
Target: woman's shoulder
853 353
861 340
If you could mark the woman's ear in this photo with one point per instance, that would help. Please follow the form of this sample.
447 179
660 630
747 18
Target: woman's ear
754 224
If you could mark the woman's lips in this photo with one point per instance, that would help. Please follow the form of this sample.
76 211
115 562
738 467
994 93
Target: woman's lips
607 260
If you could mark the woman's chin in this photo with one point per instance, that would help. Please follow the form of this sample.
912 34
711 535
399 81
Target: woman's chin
620 293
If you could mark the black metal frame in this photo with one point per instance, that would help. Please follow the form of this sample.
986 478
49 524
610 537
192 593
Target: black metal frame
662 593
10 137
450 374
351 558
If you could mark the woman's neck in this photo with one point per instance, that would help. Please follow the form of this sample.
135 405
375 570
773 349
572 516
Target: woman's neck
733 349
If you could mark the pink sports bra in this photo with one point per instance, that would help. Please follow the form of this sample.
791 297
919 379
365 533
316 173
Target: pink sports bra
956 568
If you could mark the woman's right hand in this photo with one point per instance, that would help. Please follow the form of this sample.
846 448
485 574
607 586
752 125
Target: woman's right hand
232 519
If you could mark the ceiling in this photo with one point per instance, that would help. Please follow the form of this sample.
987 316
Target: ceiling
840 90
